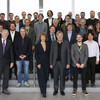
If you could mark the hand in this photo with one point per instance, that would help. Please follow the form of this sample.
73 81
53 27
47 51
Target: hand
11 65
67 66
24 56
97 62
82 65
39 66
51 66
77 65
33 47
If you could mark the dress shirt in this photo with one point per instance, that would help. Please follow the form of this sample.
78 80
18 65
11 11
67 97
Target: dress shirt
53 36
50 21
69 35
17 27
93 49
2 41
12 33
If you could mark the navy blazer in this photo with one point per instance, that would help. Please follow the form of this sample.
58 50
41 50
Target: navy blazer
42 57
25 49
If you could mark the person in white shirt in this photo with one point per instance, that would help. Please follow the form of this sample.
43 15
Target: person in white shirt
93 58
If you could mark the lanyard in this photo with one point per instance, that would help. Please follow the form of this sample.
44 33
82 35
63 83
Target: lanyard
81 30
27 31
79 49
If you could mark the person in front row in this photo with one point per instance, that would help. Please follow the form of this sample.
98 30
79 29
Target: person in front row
23 50
59 60
79 54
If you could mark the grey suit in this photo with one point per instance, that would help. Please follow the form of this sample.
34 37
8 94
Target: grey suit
83 55
59 66
39 29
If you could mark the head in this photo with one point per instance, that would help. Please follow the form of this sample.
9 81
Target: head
4 34
27 23
2 15
35 15
77 17
52 29
29 16
59 15
99 15
59 36
12 26
55 22
79 37
40 17
92 14
98 25
82 22
82 14
22 32
77 22
90 36
17 19
11 15
1 28
67 18
43 37
70 14
23 14
69 27
90 27
49 13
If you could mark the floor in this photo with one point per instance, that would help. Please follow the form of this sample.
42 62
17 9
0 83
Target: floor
37 96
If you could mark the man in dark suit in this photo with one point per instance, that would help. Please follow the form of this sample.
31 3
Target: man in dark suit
70 36
59 60
12 36
3 22
6 60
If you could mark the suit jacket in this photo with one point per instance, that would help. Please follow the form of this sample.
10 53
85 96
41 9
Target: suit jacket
42 57
33 22
83 55
72 40
65 55
8 57
60 22
5 26
38 31
21 22
31 35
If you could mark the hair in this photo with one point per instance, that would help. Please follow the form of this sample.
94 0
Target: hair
51 26
98 22
59 32
50 11
23 12
4 30
26 20
29 14
79 34
69 24
35 13
11 13
68 16
13 24
59 13
82 12
40 15
22 28
45 35
83 19
2 14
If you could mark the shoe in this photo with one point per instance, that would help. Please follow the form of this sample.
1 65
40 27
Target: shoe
6 92
74 92
71 78
18 85
26 84
93 85
55 92
66 78
44 95
85 93
62 93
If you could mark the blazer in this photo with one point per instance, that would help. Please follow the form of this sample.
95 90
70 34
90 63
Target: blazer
83 55
25 49
8 57
42 57
5 26
38 31
65 55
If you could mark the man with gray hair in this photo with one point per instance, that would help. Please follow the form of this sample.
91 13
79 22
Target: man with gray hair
6 59
59 60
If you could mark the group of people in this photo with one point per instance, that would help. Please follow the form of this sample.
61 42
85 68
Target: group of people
62 49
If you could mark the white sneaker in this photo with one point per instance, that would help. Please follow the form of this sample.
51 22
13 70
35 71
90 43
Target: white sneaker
19 85
26 84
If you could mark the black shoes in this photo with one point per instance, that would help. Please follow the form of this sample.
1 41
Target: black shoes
6 92
62 93
71 78
66 78
44 95
55 93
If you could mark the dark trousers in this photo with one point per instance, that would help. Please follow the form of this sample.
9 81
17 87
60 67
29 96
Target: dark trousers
91 70
31 62
43 77
83 77
59 70
4 69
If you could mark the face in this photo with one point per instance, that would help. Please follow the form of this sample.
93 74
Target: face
29 17
79 38
35 16
77 17
12 27
67 19
22 32
90 37
5 35
59 15
90 27
55 23
24 15
2 17
43 38
49 14
60 37
27 23
69 27
77 21
82 22
82 15
92 14
52 30
70 13
40 18
17 19
98 15
1 28
11 16
98 26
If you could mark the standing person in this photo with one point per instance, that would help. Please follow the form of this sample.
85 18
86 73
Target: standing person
23 50
79 54
93 58
42 52
59 60
6 59
1 28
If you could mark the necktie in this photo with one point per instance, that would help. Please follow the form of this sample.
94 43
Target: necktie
53 38
3 46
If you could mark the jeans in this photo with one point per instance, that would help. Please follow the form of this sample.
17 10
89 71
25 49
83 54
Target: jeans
25 64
